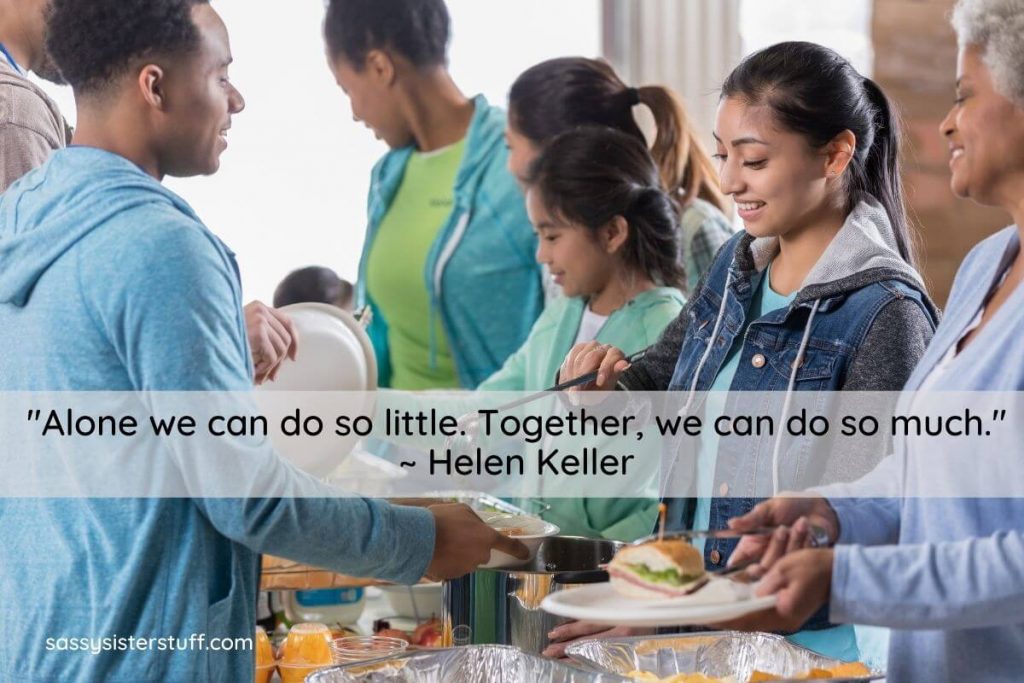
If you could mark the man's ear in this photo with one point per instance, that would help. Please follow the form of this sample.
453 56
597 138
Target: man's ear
380 67
616 232
151 86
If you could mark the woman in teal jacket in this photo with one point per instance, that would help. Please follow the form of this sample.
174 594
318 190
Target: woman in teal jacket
447 266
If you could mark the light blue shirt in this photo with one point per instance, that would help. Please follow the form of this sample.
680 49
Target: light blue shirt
839 642
946 574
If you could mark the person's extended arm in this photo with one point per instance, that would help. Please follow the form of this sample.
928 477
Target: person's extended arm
972 583
175 319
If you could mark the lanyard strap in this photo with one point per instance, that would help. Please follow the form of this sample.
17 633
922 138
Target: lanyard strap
10 59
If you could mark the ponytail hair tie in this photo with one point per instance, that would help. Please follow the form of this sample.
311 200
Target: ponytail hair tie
634 96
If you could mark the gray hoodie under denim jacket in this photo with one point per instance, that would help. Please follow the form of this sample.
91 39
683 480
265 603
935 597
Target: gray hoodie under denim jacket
860 321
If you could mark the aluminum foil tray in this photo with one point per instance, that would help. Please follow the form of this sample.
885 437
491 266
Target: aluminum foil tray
714 654
470 664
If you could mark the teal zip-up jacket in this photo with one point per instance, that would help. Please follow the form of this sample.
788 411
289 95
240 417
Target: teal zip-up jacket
534 366
634 327
481 275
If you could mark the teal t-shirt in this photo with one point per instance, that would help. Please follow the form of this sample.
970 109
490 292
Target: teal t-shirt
839 642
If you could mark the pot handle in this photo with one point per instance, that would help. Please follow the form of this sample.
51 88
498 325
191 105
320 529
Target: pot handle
588 576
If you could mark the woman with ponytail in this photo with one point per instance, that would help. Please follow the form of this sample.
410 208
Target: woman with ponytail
560 94
818 293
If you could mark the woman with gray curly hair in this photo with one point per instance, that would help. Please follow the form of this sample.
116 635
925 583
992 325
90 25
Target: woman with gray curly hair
947 574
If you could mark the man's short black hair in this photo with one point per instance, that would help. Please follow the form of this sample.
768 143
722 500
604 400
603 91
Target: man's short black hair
416 29
93 42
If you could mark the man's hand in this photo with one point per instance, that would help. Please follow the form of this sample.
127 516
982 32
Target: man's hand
608 361
272 338
462 542
803 582
794 517
565 635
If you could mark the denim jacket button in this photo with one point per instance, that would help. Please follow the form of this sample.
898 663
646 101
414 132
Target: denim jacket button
723 490
758 360
716 557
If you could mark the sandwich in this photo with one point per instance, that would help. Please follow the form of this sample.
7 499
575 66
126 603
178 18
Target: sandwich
657 569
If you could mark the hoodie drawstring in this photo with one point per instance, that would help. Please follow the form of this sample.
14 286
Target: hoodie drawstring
789 395
696 376
707 351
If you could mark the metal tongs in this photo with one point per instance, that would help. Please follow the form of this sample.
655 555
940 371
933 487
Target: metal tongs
819 537
470 422
579 381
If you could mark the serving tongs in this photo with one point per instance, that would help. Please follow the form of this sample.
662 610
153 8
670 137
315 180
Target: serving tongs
563 386
470 422
818 536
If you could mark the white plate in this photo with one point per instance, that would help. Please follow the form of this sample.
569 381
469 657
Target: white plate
334 355
598 603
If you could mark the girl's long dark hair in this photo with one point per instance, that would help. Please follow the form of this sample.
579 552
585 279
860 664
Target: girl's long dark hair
592 174
561 94
815 92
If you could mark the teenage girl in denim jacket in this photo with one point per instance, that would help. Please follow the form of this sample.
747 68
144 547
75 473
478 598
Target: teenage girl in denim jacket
818 294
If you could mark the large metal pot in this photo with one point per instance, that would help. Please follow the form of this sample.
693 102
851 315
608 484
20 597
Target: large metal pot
503 605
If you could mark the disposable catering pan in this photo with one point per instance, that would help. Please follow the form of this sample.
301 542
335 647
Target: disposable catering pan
714 654
470 664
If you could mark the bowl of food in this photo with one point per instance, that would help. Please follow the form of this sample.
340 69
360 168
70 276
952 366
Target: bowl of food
529 530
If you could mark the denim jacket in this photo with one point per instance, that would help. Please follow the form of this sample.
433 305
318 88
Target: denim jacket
860 321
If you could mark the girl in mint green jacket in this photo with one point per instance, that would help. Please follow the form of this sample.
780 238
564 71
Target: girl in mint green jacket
609 236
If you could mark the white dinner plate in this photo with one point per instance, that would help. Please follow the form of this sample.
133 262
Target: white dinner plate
334 373
598 603
334 352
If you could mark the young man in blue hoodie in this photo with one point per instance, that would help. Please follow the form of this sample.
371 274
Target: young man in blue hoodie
110 282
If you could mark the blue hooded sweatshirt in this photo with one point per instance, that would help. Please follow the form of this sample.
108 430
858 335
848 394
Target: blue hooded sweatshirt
109 282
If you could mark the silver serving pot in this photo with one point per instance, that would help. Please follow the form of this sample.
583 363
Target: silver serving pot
503 605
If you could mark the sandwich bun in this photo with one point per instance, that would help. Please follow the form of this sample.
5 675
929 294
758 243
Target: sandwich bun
657 556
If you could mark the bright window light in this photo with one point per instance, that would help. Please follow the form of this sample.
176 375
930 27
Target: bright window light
292 187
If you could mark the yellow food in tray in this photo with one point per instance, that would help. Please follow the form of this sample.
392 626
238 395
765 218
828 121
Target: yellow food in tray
846 670
648 677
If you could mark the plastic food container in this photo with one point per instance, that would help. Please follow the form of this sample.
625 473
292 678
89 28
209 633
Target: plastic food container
307 649
362 648
264 672
265 663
